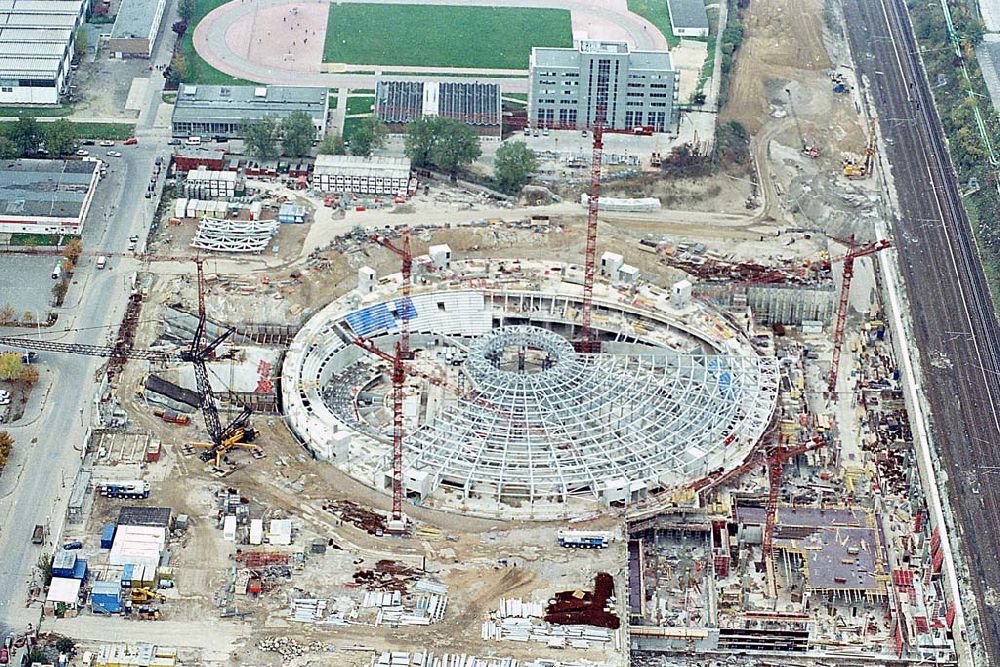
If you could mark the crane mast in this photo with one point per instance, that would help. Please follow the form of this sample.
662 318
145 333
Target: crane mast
588 338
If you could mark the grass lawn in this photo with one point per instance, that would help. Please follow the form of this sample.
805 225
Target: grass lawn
331 101
197 70
91 130
351 126
35 112
442 35
356 105
36 239
656 12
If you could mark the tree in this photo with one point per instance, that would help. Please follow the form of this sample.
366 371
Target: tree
60 137
445 143
73 250
81 44
176 71
186 9
28 374
369 136
26 135
333 144
6 447
8 149
261 136
420 137
456 147
513 163
10 365
7 314
297 133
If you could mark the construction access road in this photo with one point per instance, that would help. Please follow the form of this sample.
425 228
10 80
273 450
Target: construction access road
954 322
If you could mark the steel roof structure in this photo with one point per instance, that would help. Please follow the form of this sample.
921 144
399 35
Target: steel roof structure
585 420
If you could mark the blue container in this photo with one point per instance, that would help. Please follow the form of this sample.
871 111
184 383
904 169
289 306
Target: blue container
80 569
108 536
63 563
127 575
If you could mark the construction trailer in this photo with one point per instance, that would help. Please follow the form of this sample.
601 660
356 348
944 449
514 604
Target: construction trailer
353 174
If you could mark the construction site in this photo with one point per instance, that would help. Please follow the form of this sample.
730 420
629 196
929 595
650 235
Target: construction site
354 415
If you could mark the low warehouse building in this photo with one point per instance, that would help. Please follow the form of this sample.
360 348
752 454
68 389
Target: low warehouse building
688 18
136 27
36 49
46 196
220 111
398 103
362 175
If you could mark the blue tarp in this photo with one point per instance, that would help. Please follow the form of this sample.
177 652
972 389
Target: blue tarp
373 318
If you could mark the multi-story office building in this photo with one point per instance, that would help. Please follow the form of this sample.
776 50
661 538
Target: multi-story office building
633 88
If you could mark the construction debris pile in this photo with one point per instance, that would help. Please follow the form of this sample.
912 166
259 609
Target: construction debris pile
224 235
358 516
289 649
516 620
586 608
387 575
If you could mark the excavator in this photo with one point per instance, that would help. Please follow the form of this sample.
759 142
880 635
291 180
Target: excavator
855 169
140 595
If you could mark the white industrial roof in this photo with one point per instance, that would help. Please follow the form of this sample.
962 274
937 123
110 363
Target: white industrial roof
140 545
209 175
39 20
35 35
63 590
364 167
37 50
11 67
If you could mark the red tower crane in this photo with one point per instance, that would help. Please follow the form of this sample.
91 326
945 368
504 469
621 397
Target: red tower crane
588 338
406 311
853 252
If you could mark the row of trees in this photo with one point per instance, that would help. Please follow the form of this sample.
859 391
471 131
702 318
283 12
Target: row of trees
270 136
432 142
450 145
27 137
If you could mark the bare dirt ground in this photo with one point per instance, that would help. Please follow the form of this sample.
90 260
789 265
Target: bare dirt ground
294 35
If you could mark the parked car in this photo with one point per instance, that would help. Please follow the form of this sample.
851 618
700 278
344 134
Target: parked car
75 544
87 142
107 142
82 153
174 142
114 154
131 141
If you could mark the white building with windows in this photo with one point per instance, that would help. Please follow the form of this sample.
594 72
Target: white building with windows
36 49
634 88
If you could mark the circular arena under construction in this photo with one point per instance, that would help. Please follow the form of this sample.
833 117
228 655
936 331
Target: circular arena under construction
502 415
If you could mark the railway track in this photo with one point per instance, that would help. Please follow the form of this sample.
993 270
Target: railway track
954 320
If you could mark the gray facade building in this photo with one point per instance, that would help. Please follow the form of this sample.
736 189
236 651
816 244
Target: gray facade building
634 88
219 111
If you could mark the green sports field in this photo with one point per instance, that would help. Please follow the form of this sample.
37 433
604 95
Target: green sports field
442 35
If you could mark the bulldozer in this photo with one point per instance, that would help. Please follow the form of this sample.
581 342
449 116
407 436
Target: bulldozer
141 595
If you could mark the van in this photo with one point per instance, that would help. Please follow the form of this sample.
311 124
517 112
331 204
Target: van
102 261
193 141
57 270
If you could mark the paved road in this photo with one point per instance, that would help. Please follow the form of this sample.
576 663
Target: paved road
35 486
210 42
954 322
